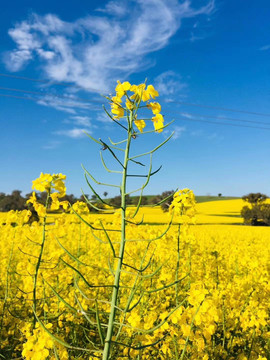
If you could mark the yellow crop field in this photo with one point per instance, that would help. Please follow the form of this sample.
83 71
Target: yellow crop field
215 306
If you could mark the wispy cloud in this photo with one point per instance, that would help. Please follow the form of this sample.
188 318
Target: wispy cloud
265 47
53 144
178 131
169 83
67 104
93 51
73 133
82 121
186 115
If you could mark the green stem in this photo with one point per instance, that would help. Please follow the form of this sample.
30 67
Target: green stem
177 265
114 301
39 260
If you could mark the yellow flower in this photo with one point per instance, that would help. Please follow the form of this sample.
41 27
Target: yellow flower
139 93
151 91
155 107
158 122
129 104
55 201
121 89
117 109
64 204
43 183
140 124
46 182
40 209
80 207
32 199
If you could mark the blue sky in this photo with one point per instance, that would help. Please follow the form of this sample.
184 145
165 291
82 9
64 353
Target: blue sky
213 53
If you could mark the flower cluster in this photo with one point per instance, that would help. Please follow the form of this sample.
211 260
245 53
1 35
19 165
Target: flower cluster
183 204
134 95
48 182
55 187
39 344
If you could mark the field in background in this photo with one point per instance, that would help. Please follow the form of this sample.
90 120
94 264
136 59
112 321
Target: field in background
224 294
211 212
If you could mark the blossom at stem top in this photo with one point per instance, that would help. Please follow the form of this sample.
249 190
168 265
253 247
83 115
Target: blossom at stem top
183 204
55 187
135 95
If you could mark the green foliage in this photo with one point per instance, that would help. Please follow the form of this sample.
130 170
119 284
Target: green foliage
12 202
166 204
135 199
116 201
258 213
254 198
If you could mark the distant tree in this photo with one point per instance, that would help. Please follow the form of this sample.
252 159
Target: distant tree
265 214
254 198
144 200
70 198
219 195
116 201
94 197
105 193
165 205
82 197
15 201
258 213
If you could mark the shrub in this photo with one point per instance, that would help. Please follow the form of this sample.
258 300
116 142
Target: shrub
256 215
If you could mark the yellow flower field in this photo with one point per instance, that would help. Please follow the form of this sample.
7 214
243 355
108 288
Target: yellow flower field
218 309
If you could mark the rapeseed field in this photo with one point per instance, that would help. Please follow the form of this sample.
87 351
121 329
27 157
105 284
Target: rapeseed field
223 295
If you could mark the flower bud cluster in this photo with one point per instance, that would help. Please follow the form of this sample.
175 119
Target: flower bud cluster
141 93
48 183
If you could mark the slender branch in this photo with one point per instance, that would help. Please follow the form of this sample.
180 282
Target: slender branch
155 149
93 190
106 168
98 182
117 143
106 146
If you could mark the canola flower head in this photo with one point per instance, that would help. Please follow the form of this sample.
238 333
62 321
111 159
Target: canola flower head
80 208
48 182
55 187
183 204
134 96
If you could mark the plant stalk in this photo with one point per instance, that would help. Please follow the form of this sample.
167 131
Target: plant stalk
114 301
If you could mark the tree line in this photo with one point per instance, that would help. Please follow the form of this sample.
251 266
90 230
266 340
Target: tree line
16 201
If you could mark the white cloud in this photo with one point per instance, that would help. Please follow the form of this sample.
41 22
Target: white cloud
265 47
187 115
67 104
104 118
115 8
178 131
82 120
51 145
196 133
73 133
168 83
92 52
